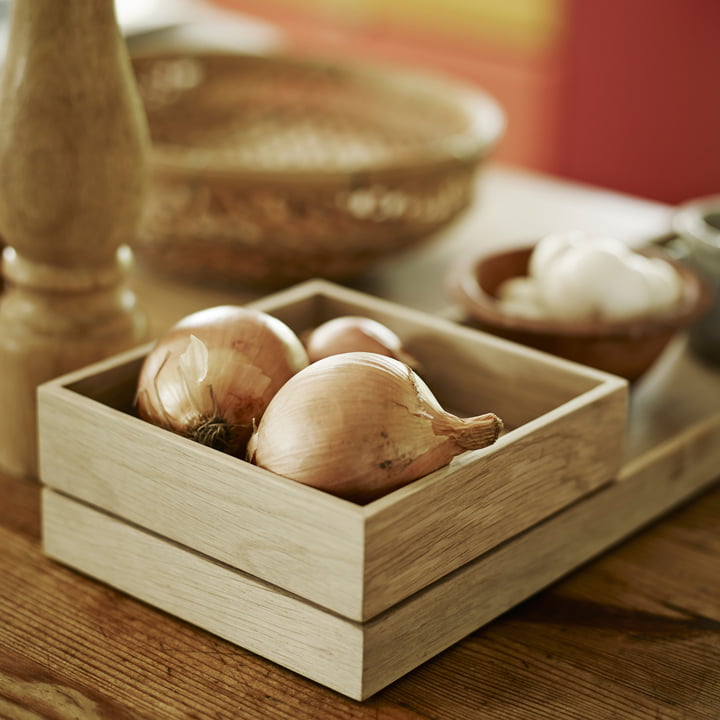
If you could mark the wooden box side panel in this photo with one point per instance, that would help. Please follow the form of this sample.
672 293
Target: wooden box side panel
414 631
469 371
329 649
481 499
301 307
308 542
227 603
519 386
297 537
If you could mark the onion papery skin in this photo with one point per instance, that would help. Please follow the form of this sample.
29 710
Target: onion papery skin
359 425
354 333
250 355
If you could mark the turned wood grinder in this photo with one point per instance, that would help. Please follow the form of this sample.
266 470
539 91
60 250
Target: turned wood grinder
73 172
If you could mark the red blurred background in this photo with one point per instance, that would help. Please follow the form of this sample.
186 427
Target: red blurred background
624 94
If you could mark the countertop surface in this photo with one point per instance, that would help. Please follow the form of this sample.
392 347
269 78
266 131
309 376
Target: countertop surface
634 634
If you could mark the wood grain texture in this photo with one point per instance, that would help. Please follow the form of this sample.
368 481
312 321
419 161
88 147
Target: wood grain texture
28 692
73 148
354 560
359 659
70 632
510 573
527 479
633 635
622 637
238 607
200 498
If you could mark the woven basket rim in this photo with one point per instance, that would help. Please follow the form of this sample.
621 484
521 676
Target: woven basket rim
486 124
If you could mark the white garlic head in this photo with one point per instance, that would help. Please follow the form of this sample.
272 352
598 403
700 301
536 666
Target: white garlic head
577 276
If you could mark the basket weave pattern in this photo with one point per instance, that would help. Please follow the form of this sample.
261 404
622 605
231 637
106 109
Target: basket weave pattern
269 171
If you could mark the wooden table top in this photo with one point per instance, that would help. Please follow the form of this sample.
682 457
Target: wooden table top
633 634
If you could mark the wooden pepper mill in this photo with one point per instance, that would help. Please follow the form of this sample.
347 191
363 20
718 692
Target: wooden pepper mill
73 172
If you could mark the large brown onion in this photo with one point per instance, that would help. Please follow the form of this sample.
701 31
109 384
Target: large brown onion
359 425
212 375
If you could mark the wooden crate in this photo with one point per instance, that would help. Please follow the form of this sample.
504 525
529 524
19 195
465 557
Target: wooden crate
351 596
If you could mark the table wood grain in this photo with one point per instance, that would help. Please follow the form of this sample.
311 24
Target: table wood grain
633 635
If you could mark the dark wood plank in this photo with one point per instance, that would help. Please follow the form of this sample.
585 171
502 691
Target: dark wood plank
72 633
29 691
20 506
633 635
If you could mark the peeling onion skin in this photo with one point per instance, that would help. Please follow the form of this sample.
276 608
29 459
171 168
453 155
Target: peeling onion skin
359 425
352 333
217 396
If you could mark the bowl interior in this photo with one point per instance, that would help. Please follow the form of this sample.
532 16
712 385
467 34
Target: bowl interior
476 285
274 113
625 348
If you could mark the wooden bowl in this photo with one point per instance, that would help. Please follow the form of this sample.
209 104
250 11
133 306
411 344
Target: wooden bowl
268 170
626 348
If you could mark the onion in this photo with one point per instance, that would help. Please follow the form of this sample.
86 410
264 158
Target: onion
212 375
351 333
359 425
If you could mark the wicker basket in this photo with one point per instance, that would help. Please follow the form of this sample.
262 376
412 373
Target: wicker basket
270 170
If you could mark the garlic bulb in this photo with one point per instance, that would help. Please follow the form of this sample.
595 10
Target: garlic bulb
359 425
519 297
350 333
212 375
574 276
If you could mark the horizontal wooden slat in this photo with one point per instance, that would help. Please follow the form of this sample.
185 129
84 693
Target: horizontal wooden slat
221 506
563 440
235 606
480 591
381 650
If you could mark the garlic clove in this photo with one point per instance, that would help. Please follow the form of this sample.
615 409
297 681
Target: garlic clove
518 289
519 296
359 425
546 252
351 333
628 297
608 245
524 308
662 279
594 271
553 247
558 291
580 277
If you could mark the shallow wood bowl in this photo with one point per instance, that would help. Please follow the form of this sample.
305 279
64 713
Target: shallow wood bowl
267 170
626 348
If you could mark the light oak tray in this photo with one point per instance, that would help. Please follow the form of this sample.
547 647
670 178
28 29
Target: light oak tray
360 656
564 434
